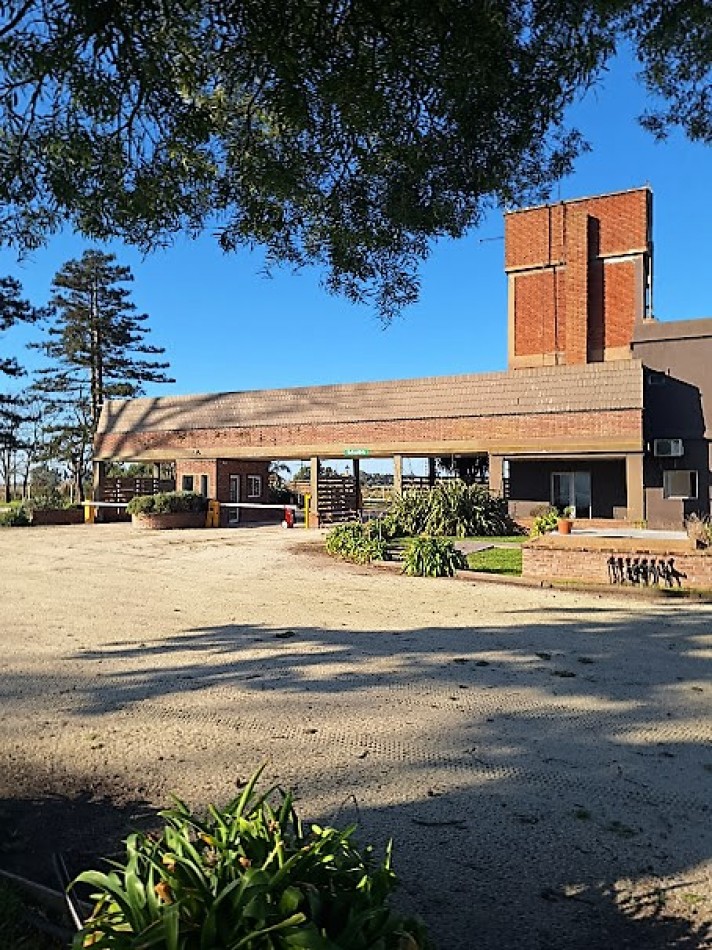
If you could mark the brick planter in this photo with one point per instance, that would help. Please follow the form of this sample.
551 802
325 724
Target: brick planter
170 520
57 516
620 562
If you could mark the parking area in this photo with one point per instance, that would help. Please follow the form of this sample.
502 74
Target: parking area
542 759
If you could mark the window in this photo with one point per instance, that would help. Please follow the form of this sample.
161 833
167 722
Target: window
204 485
679 484
254 486
187 483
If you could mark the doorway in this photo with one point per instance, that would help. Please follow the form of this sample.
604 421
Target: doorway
233 516
572 490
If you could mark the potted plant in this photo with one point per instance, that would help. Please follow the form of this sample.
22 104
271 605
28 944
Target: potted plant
566 521
168 510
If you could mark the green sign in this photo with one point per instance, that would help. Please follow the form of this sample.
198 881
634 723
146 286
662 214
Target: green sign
357 453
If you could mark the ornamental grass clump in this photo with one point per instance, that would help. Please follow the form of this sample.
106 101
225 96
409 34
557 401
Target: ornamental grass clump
432 557
248 877
164 503
450 509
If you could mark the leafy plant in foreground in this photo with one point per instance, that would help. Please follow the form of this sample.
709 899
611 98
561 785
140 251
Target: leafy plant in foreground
249 877
432 557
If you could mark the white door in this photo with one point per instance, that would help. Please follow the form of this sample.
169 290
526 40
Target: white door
234 513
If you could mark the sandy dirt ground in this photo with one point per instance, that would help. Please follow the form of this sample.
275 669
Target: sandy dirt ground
542 759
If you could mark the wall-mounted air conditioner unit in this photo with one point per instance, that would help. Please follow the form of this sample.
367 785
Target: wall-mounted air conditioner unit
668 448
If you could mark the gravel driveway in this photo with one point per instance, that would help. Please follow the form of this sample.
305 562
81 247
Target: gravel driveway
542 759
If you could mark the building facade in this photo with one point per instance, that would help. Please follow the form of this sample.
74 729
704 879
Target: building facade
602 407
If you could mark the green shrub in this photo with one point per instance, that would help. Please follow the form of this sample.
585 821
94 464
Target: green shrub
545 522
353 541
450 509
248 877
427 556
165 503
14 518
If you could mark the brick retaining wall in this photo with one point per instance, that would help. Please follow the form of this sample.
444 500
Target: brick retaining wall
666 565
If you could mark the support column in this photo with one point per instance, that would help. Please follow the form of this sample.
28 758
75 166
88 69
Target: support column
99 474
314 466
398 474
157 470
357 482
432 473
496 474
635 491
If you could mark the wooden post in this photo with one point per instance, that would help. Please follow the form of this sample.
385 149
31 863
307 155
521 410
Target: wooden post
99 473
432 472
314 466
398 474
357 481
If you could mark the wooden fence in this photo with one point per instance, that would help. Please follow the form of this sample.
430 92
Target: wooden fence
122 490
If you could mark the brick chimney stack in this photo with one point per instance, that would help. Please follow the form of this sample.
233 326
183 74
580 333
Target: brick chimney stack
579 278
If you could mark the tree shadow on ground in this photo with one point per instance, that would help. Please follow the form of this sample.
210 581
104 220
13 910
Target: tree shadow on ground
83 825
547 786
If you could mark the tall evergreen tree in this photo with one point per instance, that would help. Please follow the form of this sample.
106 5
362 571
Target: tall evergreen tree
96 345
14 309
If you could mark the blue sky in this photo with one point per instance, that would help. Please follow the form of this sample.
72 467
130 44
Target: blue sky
226 327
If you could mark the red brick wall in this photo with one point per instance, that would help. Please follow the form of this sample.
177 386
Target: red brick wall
196 468
572 295
606 429
572 561
219 472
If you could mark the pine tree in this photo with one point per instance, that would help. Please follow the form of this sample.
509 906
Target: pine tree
97 351
14 309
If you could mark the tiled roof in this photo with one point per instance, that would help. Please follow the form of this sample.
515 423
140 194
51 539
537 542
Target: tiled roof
596 386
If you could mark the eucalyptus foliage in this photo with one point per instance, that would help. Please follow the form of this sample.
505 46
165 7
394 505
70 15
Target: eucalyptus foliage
427 556
248 877
452 509
347 134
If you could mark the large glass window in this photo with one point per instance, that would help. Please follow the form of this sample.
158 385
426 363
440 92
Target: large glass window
254 486
679 483
572 490
187 483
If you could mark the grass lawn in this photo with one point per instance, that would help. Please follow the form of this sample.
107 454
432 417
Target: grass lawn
497 561
496 539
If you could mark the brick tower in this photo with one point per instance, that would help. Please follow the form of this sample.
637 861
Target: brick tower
580 277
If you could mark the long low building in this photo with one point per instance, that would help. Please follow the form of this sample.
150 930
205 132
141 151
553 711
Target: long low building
602 407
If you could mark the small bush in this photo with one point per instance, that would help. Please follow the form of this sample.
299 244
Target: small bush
353 541
165 503
249 876
14 518
432 557
48 499
545 522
